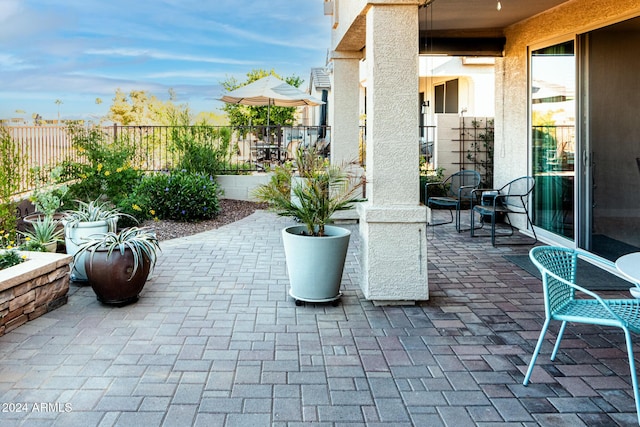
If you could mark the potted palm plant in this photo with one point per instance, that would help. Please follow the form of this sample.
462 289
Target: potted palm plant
118 264
315 251
88 220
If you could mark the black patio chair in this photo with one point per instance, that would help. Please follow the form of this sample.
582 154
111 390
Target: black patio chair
455 192
512 198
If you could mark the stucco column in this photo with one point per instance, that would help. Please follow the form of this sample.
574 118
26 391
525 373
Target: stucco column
345 129
392 221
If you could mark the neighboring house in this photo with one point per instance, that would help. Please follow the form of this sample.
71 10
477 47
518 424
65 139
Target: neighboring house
456 85
453 89
320 88
566 96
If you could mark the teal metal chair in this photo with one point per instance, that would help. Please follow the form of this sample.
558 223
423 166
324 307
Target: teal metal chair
558 266
455 192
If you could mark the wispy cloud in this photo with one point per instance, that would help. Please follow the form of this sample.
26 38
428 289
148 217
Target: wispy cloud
13 63
301 42
189 74
9 9
146 53
77 50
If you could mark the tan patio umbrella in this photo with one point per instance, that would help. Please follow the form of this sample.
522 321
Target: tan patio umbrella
270 91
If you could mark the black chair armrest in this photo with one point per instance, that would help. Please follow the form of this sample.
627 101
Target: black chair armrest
477 193
497 198
468 195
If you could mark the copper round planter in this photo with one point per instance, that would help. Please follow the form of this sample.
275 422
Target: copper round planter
110 276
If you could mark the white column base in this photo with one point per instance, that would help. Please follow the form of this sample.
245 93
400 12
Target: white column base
394 254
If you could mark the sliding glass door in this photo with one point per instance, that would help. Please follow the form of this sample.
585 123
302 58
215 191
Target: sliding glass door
612 150
585 149
553 136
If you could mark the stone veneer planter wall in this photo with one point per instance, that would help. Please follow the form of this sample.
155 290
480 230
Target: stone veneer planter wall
33 288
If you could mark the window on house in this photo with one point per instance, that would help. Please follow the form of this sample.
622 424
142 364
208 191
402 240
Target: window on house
446 97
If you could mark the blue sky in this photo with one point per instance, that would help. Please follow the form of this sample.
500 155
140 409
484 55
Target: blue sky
80 50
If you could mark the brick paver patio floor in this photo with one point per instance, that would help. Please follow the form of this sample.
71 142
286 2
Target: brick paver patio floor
216 341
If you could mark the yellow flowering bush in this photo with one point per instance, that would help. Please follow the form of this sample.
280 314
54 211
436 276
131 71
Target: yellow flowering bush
10 257
9 251
102 167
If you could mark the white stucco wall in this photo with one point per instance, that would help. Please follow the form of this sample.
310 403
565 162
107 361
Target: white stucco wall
392 223
345 129
512 152
512 112
240 187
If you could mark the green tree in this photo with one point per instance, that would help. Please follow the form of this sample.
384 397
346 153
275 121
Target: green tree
141 108
210 118
243 115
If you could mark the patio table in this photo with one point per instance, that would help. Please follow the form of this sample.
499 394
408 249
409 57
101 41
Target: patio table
629 266
270 150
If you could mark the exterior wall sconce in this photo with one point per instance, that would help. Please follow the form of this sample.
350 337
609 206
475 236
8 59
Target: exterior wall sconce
425 105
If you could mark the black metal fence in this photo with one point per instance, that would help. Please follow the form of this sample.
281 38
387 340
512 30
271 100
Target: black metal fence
157 148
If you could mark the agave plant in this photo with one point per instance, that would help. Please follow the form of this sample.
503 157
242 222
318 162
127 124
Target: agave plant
142 241
322 190
45 231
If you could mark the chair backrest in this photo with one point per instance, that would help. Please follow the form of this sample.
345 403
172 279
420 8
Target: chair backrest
517 193
463 178
562 262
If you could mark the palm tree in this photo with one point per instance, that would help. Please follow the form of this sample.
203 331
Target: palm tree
58 102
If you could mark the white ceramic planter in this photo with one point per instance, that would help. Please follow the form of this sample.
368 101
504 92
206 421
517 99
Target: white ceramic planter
315 264
74 237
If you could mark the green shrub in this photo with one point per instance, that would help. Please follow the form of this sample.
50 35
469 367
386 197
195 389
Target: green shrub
179 196
48 193
102 168
10 164
202 149
9 255
431 176
9 258
32 246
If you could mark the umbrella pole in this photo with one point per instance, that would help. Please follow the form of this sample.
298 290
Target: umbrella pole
268 121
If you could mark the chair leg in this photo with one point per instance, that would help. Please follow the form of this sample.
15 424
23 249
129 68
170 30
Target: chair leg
459 220
632 368
556 347
433 223
534 356
493 229
512 229
473 227
508 221
473 224
533 230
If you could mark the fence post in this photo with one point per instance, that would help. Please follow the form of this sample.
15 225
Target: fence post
115 131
